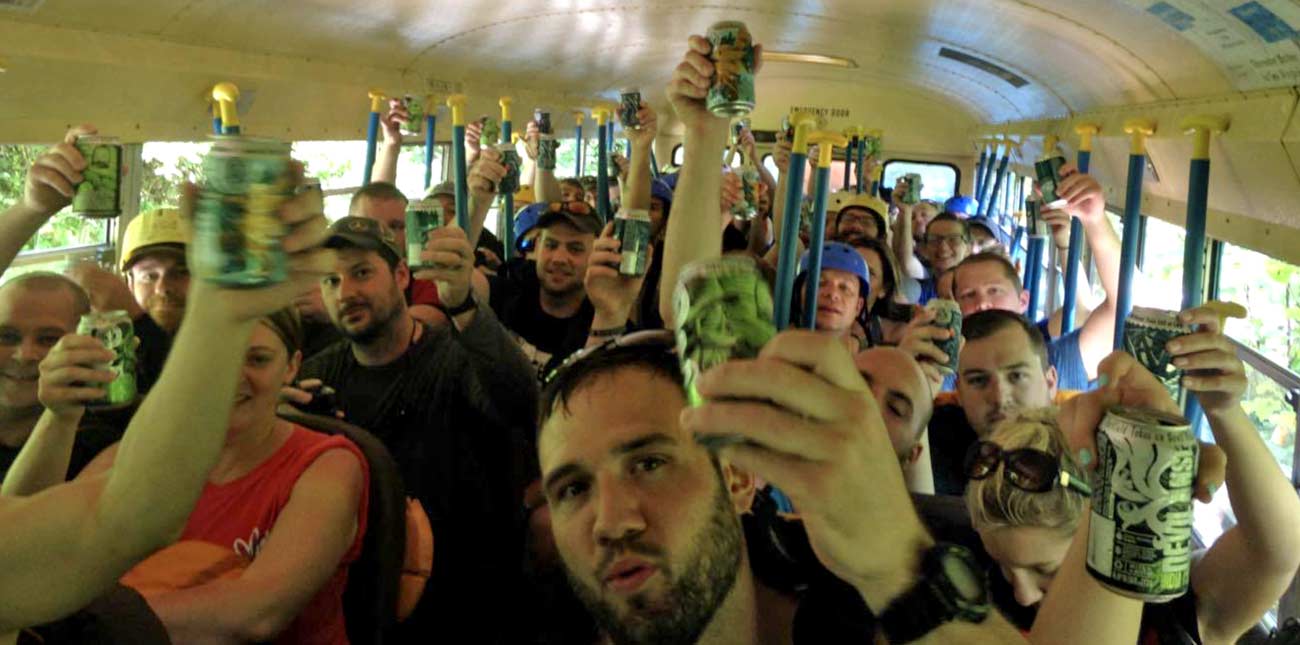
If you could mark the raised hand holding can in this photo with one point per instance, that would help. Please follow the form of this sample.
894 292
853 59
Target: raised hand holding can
99 195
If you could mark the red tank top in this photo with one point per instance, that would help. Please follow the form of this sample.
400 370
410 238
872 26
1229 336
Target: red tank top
423 292
242 513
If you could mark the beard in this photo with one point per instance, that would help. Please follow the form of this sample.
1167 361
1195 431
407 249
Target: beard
380 318
687 608
166 311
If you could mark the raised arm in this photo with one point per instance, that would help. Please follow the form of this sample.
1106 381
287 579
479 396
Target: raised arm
1088 203
636 191
51 183
484 175
905 244
385 168
1250 566
781 157
545 185
68 544
694 231
1078 609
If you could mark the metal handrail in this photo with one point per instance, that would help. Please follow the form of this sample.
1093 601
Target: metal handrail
1279 374
44 255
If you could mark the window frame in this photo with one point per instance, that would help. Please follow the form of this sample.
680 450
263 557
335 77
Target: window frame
884 170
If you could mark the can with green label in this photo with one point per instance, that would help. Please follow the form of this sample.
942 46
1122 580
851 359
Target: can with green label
732 90
422 217
914 185
1048 170
115 331
238 233
1147 332
547 146
414 125
947 315
491 131
628 106
99 195
722 310
510 159
632 227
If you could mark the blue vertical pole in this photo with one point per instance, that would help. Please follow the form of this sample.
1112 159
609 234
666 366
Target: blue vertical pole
1034 273
862 164
457 105
848 162
1068 307
786 259
986 184
979 170
430 144
216 118
577 141
602 168
1132 211
1198 189
816 239
1016 240
505 216
372 135
986 207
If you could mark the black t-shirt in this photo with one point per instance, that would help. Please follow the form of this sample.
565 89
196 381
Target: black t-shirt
155 344
545 339
490 242
97 431
317 336
735 238
950 437
458 414
648 304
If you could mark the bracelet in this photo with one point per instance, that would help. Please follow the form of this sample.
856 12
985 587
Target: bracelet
461 308
608 333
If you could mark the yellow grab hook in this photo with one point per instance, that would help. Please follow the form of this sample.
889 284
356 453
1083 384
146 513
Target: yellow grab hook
802 122
1202 126
457 104
1138 131
826 143
377 99
1086 132
226 94
505 102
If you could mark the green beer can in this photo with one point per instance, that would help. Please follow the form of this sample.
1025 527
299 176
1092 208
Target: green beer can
914 185
510 159
947 314
722 310
115 331
732 91
99 195
547 146
628 105
1048 170
237 227
413 126
422 218
1147 331
632 228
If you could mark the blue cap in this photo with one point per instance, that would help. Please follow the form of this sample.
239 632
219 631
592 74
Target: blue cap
842 257
525 221
962 205
663 190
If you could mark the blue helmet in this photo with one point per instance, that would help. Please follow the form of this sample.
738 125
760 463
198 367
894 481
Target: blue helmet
670 180
525 221
841 257
962 205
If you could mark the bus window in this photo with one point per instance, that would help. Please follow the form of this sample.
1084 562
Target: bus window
64 237
939 180
678 156
770 164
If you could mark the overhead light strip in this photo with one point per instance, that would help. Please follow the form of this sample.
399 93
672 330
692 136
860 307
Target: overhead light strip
809 59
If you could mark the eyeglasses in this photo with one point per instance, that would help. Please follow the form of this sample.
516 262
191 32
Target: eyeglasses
1025 468
648 338
950 240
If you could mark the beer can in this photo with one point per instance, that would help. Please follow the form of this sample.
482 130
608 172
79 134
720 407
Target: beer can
237 229
115 331
722 310
543 120
947 314
747 207
732 91
491 131
547 147
632 227
422 217
99 195
914 185
1048 170
414 125
628 106
1140 534
509 183
1146 333
1033 214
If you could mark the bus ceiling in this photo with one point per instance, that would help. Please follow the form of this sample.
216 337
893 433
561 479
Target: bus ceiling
938 75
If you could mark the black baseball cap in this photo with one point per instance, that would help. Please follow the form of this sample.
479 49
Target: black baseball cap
365 233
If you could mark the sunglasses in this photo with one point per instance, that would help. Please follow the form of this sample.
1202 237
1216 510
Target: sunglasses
577 208
1025 468
648 338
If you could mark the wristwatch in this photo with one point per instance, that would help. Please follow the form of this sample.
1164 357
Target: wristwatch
953 586
463 307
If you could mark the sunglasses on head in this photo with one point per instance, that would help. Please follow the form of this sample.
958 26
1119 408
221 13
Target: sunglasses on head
1025 468
648 338
577 208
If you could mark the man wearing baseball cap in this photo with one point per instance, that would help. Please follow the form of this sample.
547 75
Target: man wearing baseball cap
455 407
545 304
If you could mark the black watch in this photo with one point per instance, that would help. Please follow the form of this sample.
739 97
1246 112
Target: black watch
953 586
462 308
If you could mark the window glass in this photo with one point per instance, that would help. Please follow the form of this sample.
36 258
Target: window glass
939 181
64 230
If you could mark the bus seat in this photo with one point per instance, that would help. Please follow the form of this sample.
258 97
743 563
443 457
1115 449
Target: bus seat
370 600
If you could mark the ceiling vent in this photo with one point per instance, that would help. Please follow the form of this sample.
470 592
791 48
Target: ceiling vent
24 6
1014 79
